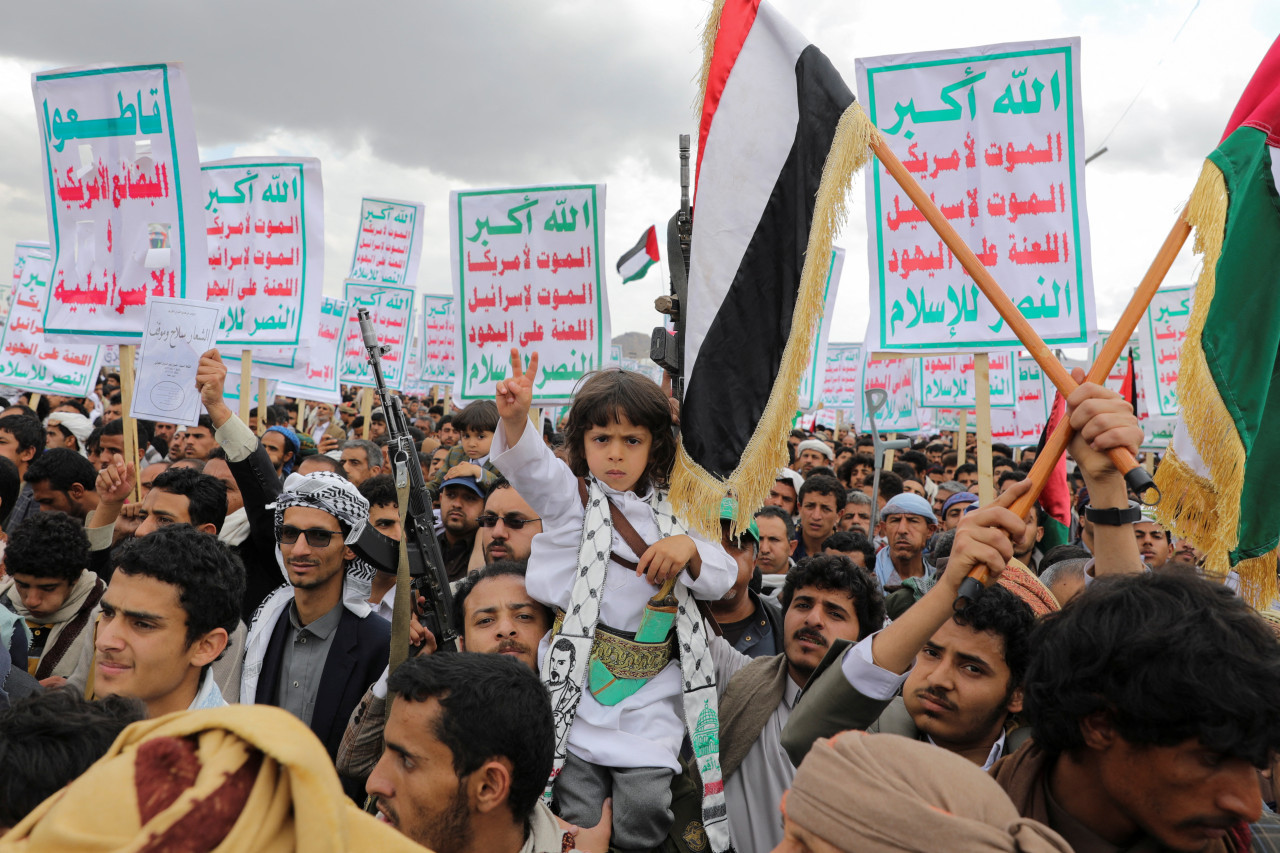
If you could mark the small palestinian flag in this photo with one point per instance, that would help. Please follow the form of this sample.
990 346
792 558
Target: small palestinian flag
637 260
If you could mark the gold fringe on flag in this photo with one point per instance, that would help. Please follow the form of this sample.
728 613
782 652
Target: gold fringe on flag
710 30
1207 510
695 492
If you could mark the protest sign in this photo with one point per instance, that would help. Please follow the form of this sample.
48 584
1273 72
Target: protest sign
123 192
1160 336
31 362
439 340
527 275
388 242
897 377
811 382
391 312
842 380
177 333
947 381
264 228
319 381
994 135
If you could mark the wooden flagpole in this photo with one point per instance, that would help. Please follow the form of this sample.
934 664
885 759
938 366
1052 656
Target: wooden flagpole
246 389
982 384
1122 459
962 438
262 405
130 430
366 410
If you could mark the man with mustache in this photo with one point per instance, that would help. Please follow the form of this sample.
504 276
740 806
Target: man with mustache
907 521
508 525
461 502
825 598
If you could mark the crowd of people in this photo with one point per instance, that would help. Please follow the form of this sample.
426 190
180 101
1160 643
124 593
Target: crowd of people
194 656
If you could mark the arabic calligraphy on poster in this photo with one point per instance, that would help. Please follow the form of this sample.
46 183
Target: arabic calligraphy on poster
122 186
413 383
812 381
32 362
948 381
1154 428
993 134
526 274
842 381
319 380
897 377
1161 333
391 312
439 338
388 242
264 230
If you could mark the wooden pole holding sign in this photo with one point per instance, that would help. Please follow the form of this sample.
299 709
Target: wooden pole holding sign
962 438
888 454
982 385
1058 375
262 406
127 352
33 402
302 414
366 410
246 390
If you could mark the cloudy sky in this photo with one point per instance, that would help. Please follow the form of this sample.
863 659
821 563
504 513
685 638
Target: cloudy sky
413 99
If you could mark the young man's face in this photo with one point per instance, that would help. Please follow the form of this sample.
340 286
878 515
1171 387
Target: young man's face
815 618
460 510
165 431
502 618
414 784
437 459
385 518
969 480
54 500
818 516
200 442
782 494
142 648
476 442
42 597
774 555
501 541
277 447
954 516
160 509
9 450
1185 796
54 437
958 693
377 428
448 435
111 413
1153 543
913 487
310 566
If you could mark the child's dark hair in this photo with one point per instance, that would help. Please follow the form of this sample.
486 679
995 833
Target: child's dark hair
478 416
606 394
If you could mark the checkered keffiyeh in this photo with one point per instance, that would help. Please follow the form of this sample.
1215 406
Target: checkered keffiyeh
327 492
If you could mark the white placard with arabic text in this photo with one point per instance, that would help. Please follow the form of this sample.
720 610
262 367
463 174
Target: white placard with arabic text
388 242
391 312
177 333
949 381
439 340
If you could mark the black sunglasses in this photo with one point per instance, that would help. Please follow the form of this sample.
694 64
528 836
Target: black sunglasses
317 537
515 522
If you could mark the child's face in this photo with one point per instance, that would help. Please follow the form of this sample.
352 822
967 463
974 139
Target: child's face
475 443
618 454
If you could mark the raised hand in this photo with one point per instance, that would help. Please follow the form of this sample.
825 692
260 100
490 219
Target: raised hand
985 538
115 482
514 396
211 381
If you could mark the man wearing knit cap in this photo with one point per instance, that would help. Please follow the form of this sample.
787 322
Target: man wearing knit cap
907 521
954 507
812 453
283 448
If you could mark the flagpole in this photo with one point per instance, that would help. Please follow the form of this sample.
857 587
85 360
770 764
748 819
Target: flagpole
982 384
1062 433
1135 475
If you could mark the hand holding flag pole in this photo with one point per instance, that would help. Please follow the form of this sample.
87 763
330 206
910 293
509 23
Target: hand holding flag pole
1138 479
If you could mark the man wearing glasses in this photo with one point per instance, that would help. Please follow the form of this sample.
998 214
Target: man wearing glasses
315 646
507 525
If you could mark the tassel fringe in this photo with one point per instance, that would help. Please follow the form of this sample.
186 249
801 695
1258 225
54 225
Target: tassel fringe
1206 510
710 30
695 492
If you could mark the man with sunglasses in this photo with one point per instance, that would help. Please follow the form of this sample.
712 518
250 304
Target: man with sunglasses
315 645
507 525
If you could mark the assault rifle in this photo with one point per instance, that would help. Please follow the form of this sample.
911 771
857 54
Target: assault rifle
667 348
419 544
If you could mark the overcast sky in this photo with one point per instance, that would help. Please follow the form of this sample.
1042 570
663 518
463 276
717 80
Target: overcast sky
413 99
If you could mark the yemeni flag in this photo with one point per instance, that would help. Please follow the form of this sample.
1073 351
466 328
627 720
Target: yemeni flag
1055 498
779 140
1218 478
637 260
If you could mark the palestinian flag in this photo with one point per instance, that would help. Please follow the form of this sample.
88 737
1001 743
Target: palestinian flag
636 262
1218 478
779 140
1055 498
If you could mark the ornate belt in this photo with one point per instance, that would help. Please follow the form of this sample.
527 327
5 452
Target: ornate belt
623 655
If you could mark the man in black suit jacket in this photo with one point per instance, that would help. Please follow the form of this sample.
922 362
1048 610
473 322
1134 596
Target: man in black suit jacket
314 645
